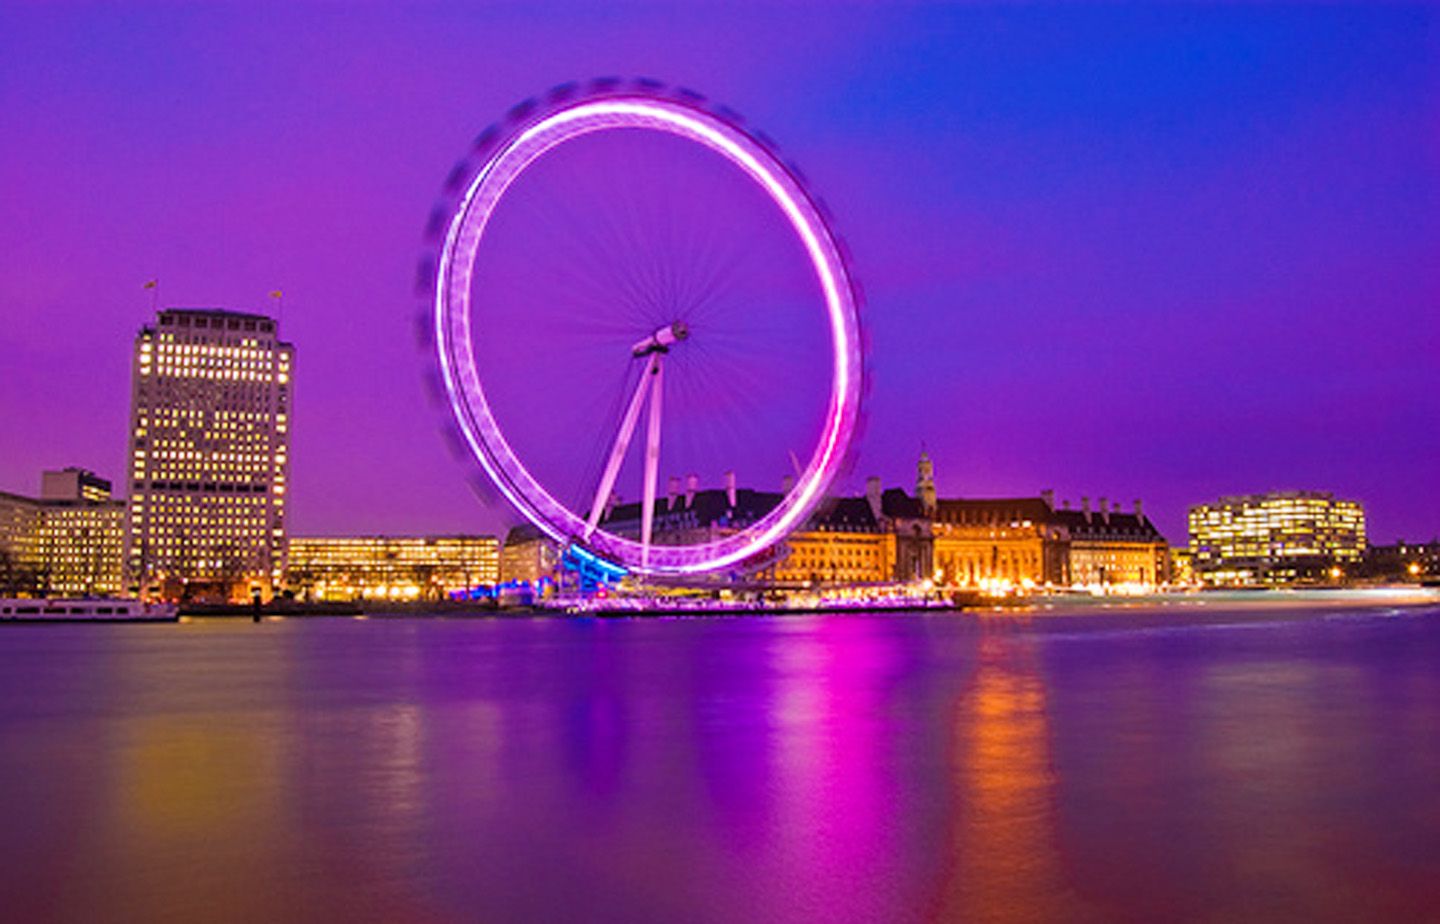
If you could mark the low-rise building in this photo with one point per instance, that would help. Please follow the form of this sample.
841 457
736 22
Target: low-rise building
70 541
890 537
1003 540
1402 561
847 541
1110 547
1025 542
1021 543
391 567
1182 571
19 541
527 556
1282 537
81 545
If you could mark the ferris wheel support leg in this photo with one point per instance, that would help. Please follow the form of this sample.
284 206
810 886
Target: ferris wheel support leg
622 443
652 458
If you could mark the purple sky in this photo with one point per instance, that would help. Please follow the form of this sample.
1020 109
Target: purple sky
1165 253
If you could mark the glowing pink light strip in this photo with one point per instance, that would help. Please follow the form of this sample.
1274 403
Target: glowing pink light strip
462 382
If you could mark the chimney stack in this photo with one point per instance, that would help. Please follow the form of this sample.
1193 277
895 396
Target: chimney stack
730 491
692 484
1139 510
787 484
1103 509
872 494
672 492
1048 496
1085 507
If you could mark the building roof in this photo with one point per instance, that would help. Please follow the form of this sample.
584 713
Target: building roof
524 532
1112 524
216 312
896 504
710 507
845 514
19 499
992 510
378 537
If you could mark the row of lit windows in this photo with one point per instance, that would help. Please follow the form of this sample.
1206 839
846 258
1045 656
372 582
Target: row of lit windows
238 520
180 365
1346 509
198 502
332 556
214 520
222 479
1256 523
163 542
226 374
198 365
229 455
199 466
245 351
230 431
457 573
206 417
246 452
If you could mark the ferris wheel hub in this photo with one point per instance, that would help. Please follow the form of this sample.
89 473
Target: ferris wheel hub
662 339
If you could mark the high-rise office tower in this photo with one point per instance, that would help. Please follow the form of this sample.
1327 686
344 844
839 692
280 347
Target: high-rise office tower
209 453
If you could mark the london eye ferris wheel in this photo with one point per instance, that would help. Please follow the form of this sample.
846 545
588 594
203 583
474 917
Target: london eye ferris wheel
627 283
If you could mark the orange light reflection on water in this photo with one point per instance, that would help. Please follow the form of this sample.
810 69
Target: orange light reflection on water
1005 862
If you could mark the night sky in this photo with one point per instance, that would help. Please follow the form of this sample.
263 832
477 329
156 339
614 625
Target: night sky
1160 252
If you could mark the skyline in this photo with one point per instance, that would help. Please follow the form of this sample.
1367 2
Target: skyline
1071 223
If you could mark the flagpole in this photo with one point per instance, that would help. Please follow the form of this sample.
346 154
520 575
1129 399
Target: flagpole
153 285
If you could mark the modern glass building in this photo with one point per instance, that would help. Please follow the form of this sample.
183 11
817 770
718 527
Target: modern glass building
391 567
1277 538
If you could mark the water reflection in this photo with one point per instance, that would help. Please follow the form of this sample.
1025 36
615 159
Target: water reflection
841 769
1004 861
833 831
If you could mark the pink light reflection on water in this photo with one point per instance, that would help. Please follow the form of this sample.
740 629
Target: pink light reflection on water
836 825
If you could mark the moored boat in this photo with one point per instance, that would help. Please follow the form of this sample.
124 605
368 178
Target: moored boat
86 609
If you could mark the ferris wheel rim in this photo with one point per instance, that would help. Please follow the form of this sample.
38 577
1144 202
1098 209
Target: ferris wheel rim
508 154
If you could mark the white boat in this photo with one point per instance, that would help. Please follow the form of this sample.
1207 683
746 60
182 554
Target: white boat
86 609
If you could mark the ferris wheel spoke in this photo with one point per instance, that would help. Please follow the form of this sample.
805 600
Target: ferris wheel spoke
622 442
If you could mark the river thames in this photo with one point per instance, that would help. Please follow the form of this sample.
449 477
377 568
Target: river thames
1218 761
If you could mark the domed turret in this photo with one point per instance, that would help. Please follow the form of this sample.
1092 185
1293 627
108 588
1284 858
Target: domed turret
925 482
